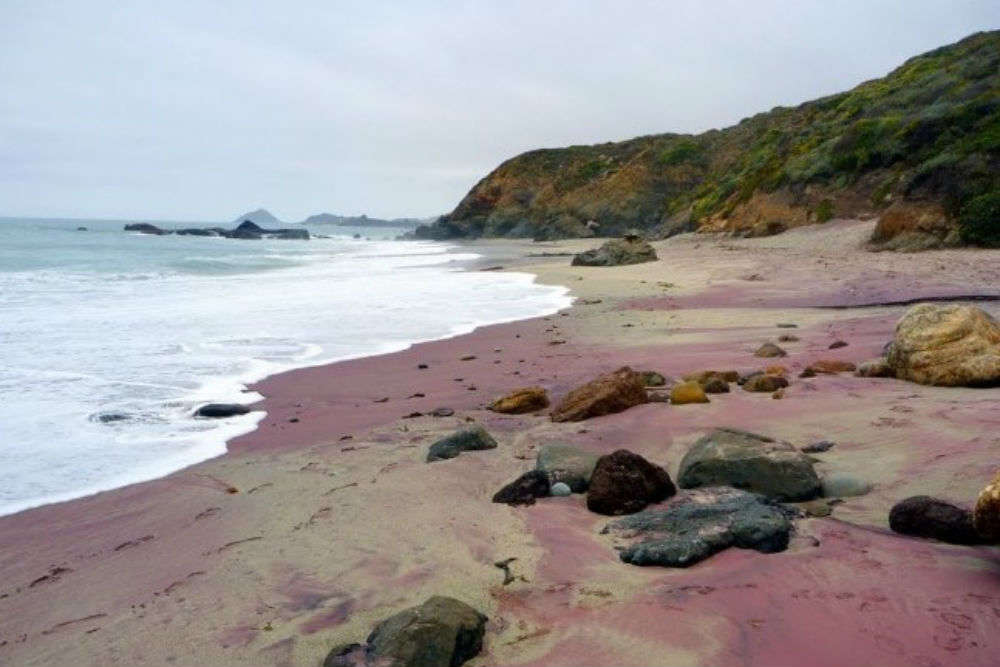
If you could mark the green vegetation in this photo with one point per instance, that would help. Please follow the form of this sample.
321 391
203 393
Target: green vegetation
929 130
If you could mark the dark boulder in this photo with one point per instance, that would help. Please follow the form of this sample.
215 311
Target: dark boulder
525 489
617 252
923 516
701 522
196 231
442 632
145 228
467 439
219 410
624 482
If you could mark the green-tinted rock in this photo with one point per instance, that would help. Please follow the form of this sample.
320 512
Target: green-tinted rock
565 463
464 440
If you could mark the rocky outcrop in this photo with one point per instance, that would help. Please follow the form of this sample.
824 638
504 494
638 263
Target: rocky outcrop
913 226
567 464
606 394
442 632
525 489
688 392
946 345
923 516
247 230
617 252
468 439
221 410
729 457
145 228
520 401
624 482
986 516
701 522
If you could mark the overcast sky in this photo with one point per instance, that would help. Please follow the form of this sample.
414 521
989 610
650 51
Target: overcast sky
201 110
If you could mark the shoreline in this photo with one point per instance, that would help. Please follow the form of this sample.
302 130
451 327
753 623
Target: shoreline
327 533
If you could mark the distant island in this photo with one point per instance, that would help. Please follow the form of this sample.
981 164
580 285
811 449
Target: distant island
265 218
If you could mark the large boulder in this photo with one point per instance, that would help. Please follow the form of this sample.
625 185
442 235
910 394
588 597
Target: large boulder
946 345
923 516
471 438
567 464
701 522
606 394
986 516
525 489
145 228
688 392
442 632
520 401
628 250
729 457
624 482
221 410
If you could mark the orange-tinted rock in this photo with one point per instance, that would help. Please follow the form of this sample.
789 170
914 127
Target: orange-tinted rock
770 350
520 401
606 394
764 382
776 370
986 516
687 392
832 366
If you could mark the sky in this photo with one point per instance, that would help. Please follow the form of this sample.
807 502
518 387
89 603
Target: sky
203 110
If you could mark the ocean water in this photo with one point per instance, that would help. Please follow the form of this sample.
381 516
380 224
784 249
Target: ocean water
110 340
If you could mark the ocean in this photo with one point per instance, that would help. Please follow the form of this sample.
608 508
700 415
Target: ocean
110 340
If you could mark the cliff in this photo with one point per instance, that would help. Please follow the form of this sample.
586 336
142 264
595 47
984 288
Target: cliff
921 145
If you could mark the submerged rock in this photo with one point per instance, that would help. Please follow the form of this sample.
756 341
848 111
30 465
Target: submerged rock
701 522
442 632
617 252
946 345
986 516
729 457
520 401
687 392
923 516
471 438
220 410
624 482
567 464
606 394
525 489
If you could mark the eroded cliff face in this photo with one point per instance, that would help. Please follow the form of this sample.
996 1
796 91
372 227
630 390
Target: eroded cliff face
927 135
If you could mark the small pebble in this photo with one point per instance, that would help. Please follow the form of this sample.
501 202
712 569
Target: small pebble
560 489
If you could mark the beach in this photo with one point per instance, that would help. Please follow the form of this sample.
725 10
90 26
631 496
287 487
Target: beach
326 518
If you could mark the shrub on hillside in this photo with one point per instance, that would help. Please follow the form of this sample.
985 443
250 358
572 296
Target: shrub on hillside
979 221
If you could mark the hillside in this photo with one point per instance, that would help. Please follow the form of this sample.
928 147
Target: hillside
261 217
920 147
359 221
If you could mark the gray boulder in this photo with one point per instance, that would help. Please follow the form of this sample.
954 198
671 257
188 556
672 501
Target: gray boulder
567 464
729 457
442 632
467 439
698 523
617 252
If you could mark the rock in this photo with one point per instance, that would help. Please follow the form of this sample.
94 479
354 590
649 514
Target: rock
200 232
701 522
658 397
653 379
567 464
923 516
624 482
986 516
837 344
520 401
442 632
778 395
770 350
788 338
252 231
617 252
81 229
687 392
523 490
471 438
110 417
743 379
560 489
831 366
874 368
841 485
776 369
220 410
716 385
786 325
442 412
729 457
912 226
817 508
817 447
946 345
145 228
606 394
764 382
807 373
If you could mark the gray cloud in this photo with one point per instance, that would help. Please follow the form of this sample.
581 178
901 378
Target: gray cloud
194 110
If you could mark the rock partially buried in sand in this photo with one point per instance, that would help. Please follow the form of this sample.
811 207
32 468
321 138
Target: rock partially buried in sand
442 632
831 366
624 482
701 522
567 464
525 489
221 410
817 447
729 457
874 368
986 516
687 392
841 485
765 383
923 516
520 401
946 345
770 350
467 439
607 394
617 252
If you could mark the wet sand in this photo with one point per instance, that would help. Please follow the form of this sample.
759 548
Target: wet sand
337 522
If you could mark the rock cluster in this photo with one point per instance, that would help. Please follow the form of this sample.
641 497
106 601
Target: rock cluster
617 252
606 394
245 230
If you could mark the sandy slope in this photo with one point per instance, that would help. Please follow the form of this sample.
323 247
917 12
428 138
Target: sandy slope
338 522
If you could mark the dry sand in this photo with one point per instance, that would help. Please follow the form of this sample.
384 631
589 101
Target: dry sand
337 522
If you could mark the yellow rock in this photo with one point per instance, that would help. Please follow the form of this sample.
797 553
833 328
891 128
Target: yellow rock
687 392
986 516
519 401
